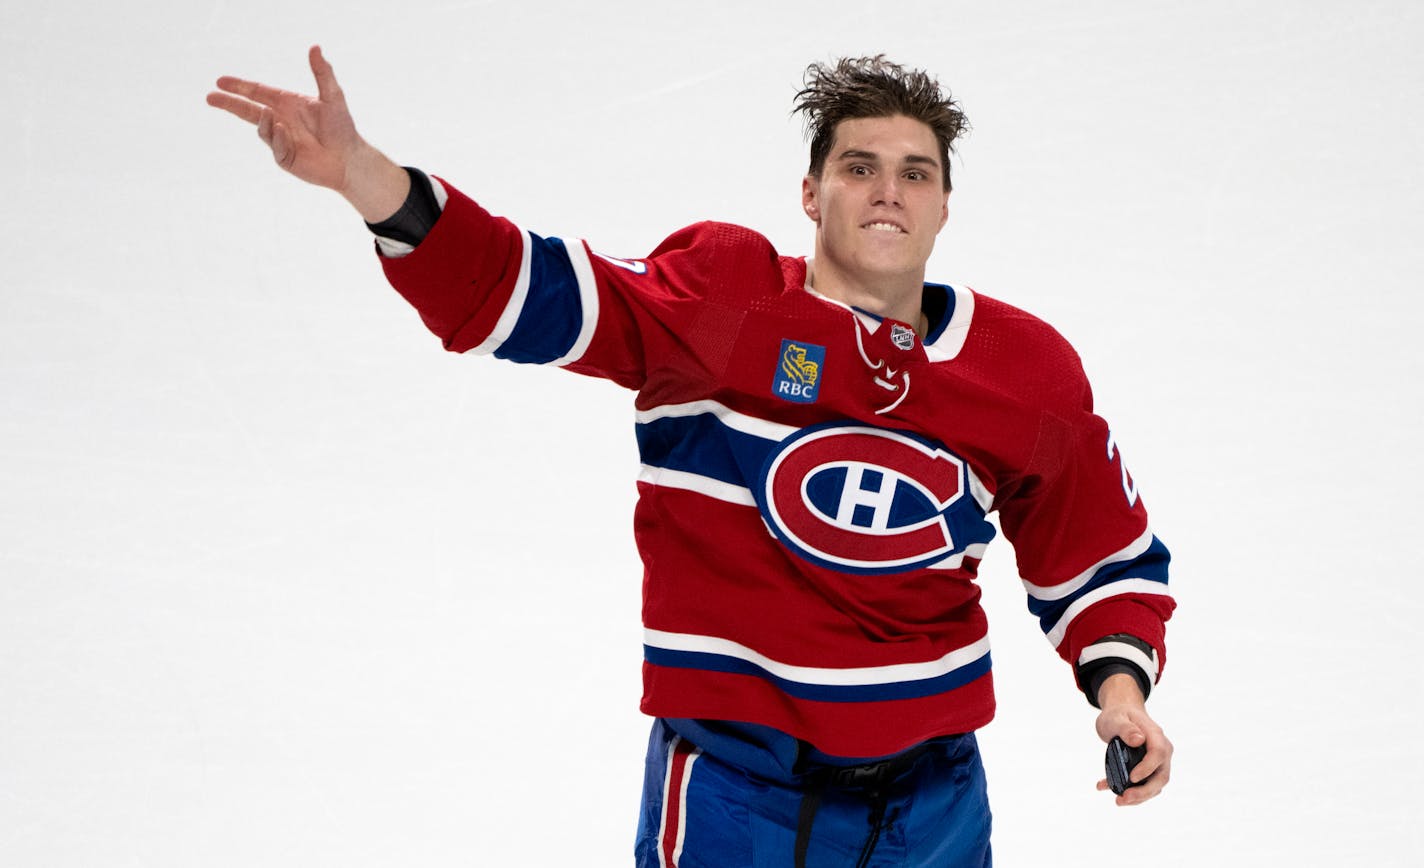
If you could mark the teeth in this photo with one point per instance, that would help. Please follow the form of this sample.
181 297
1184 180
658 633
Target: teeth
884 227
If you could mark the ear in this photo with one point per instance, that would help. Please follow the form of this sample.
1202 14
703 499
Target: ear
810 188
944 211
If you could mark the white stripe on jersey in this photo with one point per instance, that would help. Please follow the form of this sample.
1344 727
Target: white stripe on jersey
510 316
1070 587
393 249
894 673
681 479
1124 651
774 431
956 561
951 340
978 490
442 195
732 419
588 302
1114 589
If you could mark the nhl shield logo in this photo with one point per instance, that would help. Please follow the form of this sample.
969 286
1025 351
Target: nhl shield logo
902 337
798 374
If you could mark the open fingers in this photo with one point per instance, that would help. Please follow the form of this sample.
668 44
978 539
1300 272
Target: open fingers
253 90
248 111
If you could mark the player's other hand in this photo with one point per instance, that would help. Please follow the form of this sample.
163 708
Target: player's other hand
1124 714
315 139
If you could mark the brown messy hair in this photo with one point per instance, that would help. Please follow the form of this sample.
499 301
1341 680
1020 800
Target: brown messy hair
873 87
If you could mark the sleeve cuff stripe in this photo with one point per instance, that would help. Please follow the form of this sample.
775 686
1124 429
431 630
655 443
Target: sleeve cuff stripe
1123 652
437 187
391 248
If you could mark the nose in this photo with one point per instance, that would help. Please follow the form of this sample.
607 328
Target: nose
887 191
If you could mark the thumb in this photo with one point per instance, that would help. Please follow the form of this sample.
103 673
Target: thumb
326 87
1121 724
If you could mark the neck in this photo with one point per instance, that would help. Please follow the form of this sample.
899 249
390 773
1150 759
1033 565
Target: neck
900 299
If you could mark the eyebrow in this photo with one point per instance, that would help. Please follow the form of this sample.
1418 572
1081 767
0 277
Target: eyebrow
916 159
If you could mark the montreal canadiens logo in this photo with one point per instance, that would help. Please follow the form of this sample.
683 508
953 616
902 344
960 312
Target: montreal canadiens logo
861 499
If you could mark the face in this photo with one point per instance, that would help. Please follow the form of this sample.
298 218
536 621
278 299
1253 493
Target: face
879 202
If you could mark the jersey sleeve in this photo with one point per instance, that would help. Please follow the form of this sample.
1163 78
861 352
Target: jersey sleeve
1095 573
484 285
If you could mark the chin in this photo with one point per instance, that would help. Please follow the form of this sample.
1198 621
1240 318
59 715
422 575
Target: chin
890 268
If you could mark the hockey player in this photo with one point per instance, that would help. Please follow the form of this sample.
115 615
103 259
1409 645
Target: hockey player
821 441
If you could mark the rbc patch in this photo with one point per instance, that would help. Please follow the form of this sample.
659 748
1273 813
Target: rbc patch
798 376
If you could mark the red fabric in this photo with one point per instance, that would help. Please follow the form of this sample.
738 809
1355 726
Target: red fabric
706 318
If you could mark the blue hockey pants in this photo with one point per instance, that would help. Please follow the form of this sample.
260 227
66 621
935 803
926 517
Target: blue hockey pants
925 807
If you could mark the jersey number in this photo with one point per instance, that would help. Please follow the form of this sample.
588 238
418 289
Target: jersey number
1129 486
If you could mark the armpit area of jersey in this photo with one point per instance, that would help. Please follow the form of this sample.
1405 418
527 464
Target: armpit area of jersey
416 216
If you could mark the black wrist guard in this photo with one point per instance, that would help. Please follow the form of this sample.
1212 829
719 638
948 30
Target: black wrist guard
416 215
1092 674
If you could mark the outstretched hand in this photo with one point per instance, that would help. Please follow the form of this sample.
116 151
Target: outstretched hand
312 137
315 139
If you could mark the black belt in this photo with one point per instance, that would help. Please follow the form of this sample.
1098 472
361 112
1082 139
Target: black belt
875 780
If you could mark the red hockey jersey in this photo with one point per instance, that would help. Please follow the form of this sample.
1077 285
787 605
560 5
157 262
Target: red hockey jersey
815 480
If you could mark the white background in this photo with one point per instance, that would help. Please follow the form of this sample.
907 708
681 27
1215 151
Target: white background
281 583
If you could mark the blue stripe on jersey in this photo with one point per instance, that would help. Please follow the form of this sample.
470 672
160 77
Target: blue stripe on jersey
552 315
821 692
703 445
939 322
1150 565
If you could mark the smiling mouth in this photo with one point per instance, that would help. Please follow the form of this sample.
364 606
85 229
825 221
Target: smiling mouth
884 227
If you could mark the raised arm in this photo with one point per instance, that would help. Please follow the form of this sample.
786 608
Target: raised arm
315 139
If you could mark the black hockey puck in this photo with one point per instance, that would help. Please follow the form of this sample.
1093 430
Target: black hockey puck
1121 760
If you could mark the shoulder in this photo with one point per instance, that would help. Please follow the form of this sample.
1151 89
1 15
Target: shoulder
1001 318
724 258
711 237
1018 349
